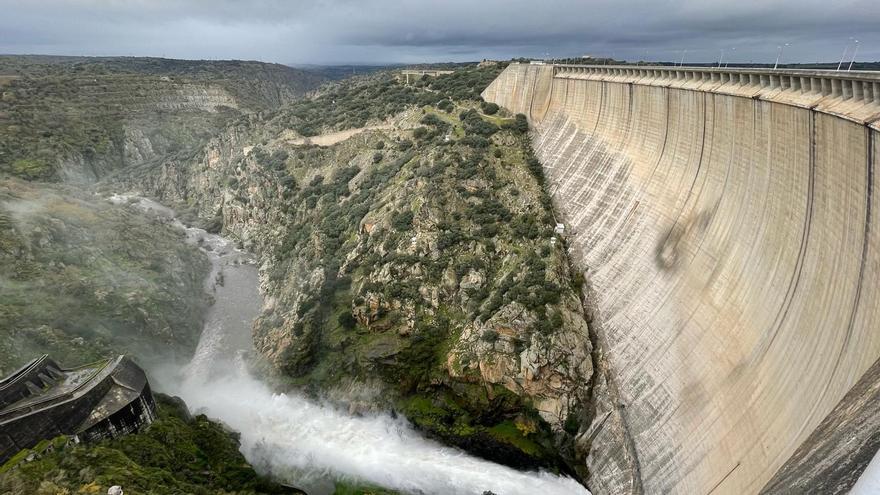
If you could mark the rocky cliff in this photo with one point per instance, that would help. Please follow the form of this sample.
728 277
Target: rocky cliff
412 265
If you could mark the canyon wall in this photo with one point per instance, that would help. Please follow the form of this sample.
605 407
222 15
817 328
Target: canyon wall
726 223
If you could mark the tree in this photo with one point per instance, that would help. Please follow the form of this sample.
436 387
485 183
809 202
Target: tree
489 108
347 320
521 123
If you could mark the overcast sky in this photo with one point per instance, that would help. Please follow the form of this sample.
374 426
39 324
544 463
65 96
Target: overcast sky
378 31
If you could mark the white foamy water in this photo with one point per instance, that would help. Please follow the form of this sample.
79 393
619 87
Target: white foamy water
869 482
298 440
290 434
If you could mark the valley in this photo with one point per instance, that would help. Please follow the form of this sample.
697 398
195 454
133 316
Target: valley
405 266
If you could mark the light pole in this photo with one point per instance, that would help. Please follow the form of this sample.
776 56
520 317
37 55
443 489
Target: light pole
728 58
683 53
721 59
781 48
856 51
845 49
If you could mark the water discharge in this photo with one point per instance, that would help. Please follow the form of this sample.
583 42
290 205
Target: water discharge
297 439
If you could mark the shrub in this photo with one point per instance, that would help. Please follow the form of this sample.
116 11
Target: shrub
520 124
347 320
475 141
402 221
475 125
535 168
377 157
435 121
31 169
489 108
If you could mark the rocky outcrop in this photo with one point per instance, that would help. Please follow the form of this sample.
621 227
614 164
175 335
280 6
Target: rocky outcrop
551 371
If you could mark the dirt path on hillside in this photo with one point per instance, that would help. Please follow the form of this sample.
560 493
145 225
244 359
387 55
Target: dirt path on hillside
330 138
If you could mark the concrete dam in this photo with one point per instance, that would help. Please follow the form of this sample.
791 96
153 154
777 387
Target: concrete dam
727 223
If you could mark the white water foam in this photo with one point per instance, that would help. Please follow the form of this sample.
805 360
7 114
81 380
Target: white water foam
294 436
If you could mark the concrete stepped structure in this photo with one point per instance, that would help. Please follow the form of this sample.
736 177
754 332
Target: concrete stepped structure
99 400
727 222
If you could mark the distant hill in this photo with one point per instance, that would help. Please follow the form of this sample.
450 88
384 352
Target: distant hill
77 118
337 72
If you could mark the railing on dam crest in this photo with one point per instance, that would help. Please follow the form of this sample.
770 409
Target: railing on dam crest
851 95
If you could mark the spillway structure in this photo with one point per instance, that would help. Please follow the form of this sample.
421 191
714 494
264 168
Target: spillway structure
43 400
727 223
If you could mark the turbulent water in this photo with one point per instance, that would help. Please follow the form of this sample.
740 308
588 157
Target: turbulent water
306 443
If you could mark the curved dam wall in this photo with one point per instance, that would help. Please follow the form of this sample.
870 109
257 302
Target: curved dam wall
727 221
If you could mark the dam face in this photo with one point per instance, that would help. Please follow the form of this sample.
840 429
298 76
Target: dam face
727 221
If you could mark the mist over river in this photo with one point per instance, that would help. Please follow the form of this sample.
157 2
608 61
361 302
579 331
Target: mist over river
297 440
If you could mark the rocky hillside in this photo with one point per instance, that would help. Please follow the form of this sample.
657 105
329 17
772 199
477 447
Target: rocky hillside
413 265
81 279
79 118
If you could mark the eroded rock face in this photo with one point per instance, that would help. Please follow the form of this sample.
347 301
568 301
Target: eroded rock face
551 369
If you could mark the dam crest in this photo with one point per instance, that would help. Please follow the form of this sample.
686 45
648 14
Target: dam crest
727 223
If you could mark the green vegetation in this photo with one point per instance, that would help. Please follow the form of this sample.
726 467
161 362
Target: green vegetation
359 101
91 112
410 257
497 425
520 124
346 488
466 83
489 108
177 454
82 279
398 241
353 103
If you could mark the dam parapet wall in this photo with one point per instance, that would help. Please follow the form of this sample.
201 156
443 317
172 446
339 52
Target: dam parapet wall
727 223
850 95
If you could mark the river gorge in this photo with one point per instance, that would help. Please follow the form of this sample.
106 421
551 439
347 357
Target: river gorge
306 443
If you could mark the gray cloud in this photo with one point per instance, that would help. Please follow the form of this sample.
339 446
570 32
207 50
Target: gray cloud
369 31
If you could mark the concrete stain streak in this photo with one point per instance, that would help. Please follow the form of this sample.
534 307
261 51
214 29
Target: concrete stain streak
724 218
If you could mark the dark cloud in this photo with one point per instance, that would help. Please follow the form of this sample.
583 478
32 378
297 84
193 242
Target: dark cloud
369 31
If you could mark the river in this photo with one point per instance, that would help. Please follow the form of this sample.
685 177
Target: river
298 440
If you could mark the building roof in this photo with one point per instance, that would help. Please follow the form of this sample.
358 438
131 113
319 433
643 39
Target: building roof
42 385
